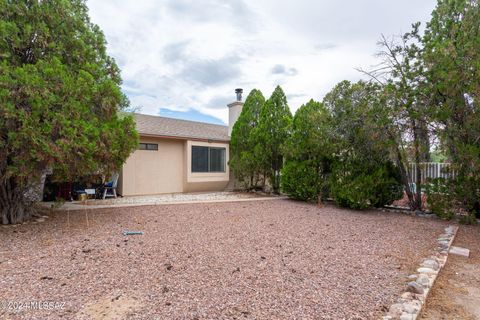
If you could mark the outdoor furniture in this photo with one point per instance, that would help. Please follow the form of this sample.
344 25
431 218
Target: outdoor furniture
91 192
82 196
111 187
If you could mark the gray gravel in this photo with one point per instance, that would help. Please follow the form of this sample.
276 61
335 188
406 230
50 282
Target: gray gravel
251 260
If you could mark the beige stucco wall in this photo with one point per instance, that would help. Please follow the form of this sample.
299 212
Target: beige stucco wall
154 172
168 170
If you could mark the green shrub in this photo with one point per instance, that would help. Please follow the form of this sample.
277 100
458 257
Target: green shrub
468 219
439 198
308 152
301 181
352 188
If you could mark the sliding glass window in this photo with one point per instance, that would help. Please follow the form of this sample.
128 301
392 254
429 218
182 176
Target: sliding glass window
208 159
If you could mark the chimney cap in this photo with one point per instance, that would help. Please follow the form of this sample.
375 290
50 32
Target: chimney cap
239 92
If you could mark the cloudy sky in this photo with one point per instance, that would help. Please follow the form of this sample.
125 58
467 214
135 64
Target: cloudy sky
184 58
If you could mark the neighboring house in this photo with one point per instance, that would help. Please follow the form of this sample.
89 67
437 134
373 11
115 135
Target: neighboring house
179 155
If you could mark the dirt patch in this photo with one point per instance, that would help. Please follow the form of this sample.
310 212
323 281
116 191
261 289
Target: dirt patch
110 308
275 259
456 293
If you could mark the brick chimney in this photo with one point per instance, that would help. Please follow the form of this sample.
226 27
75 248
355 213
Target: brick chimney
234 110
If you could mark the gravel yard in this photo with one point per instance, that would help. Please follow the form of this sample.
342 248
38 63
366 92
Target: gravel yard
275 259
174 197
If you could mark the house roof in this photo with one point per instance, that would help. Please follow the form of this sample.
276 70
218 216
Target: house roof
169 127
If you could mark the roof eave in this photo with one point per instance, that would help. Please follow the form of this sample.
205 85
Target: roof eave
150 135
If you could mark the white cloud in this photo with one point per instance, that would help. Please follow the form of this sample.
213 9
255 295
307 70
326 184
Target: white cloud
186 54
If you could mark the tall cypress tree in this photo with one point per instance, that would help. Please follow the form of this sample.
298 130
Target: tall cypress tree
242 143
309 152
272 132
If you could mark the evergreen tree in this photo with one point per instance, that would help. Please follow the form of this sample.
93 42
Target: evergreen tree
272 131
452 60
242 144
60 99
308 153
362 173
405 94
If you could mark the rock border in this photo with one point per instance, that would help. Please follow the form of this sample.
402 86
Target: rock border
410 303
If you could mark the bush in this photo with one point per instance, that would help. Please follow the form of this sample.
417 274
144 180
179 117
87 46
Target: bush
439 199
301 181
468 219
308 152
360 190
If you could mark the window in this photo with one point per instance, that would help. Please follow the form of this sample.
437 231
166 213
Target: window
217 160
199 159
148 146
207 159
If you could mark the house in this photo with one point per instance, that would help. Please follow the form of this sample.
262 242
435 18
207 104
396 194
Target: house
179 155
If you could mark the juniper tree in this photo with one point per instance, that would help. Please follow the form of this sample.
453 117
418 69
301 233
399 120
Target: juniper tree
242 144
308 153
406 101
363 174
452 62
60 99
272 131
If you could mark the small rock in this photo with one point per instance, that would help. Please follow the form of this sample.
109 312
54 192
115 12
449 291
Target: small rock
424 280
419 213
415 287
412 277
432 264
395 310
40 220
426 270
407 296
116 298
406 316
449 230
410 308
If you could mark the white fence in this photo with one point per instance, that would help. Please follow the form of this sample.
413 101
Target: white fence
431 170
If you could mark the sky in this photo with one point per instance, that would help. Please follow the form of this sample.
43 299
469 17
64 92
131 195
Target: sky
184 58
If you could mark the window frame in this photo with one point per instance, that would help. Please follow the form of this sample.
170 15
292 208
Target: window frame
145 146
223 165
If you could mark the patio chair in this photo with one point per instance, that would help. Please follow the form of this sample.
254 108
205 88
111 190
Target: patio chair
111 186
